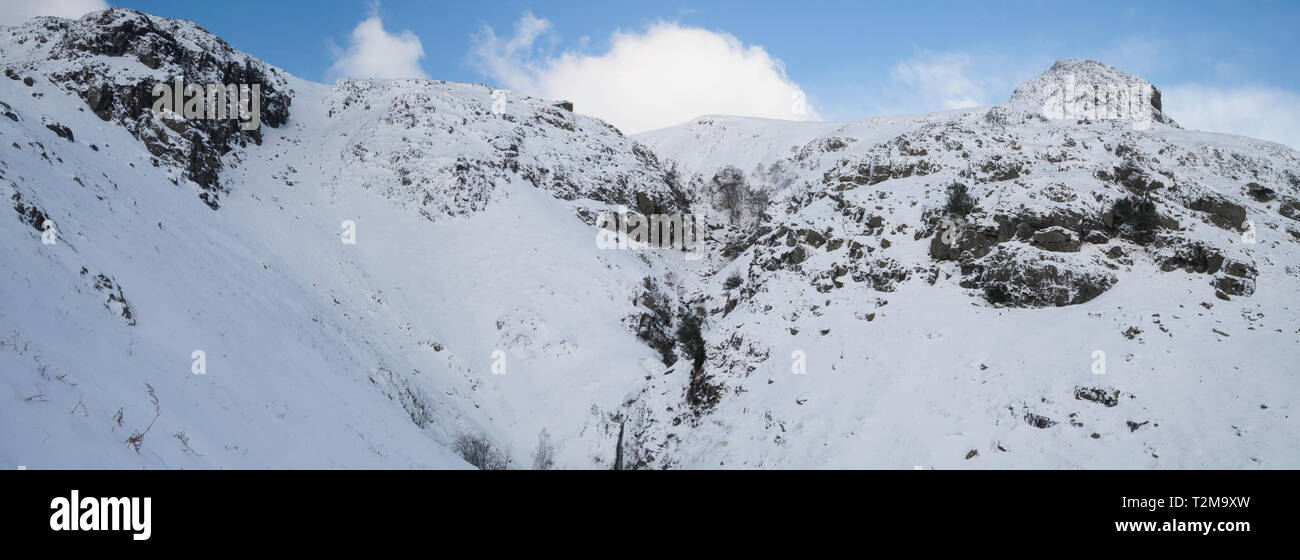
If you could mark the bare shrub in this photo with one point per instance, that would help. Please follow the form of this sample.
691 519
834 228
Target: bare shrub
730 192
136 441
733 281
479 451
544 456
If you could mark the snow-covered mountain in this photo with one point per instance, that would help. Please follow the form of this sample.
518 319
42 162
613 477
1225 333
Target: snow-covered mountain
934 339
181 236
850 318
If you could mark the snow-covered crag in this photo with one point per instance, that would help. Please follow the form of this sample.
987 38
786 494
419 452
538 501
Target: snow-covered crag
1046 323
185 243
384 268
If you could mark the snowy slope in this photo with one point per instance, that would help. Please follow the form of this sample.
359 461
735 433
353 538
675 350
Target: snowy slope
983 353
473 212
708 143
318 353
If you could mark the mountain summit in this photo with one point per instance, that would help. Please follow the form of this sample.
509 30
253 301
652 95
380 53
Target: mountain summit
1083 90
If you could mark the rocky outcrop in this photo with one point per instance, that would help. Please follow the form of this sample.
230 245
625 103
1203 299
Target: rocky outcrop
1290 209
1105 396
528 140
1027 277
1260 193
164 49
1194 257
1056 239
1221 212
1081 90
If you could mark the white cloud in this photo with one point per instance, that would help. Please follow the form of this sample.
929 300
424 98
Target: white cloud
373 52
16 12
941 79
1257 112
663 76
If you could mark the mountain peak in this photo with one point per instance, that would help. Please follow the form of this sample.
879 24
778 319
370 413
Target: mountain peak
111 59
1082 90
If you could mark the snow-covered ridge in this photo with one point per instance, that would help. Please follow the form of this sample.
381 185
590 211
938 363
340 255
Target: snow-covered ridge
909 309
1083 89
315 353
442 147
113 58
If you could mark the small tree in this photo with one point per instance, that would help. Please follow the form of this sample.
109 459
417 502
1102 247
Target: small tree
733 281
731 192
960 202
477 450
1137 213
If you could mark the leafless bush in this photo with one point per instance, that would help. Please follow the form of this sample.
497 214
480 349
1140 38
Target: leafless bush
544 457
185 443
731 192
137 437
477 450
136 441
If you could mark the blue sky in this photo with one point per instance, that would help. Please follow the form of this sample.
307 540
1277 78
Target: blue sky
1233 60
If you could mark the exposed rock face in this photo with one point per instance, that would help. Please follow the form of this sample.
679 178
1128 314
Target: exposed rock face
1133 177
1290 209
968 244
1106 396
1194 257
29 213
1029 278
1222 213
161 50
527 140
1081 90
880 165
1260 193
1238 279
990 253
1057 239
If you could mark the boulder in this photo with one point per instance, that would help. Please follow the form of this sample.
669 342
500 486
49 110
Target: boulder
1221 212
1056 239
1029 277
1290 209
1259 192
